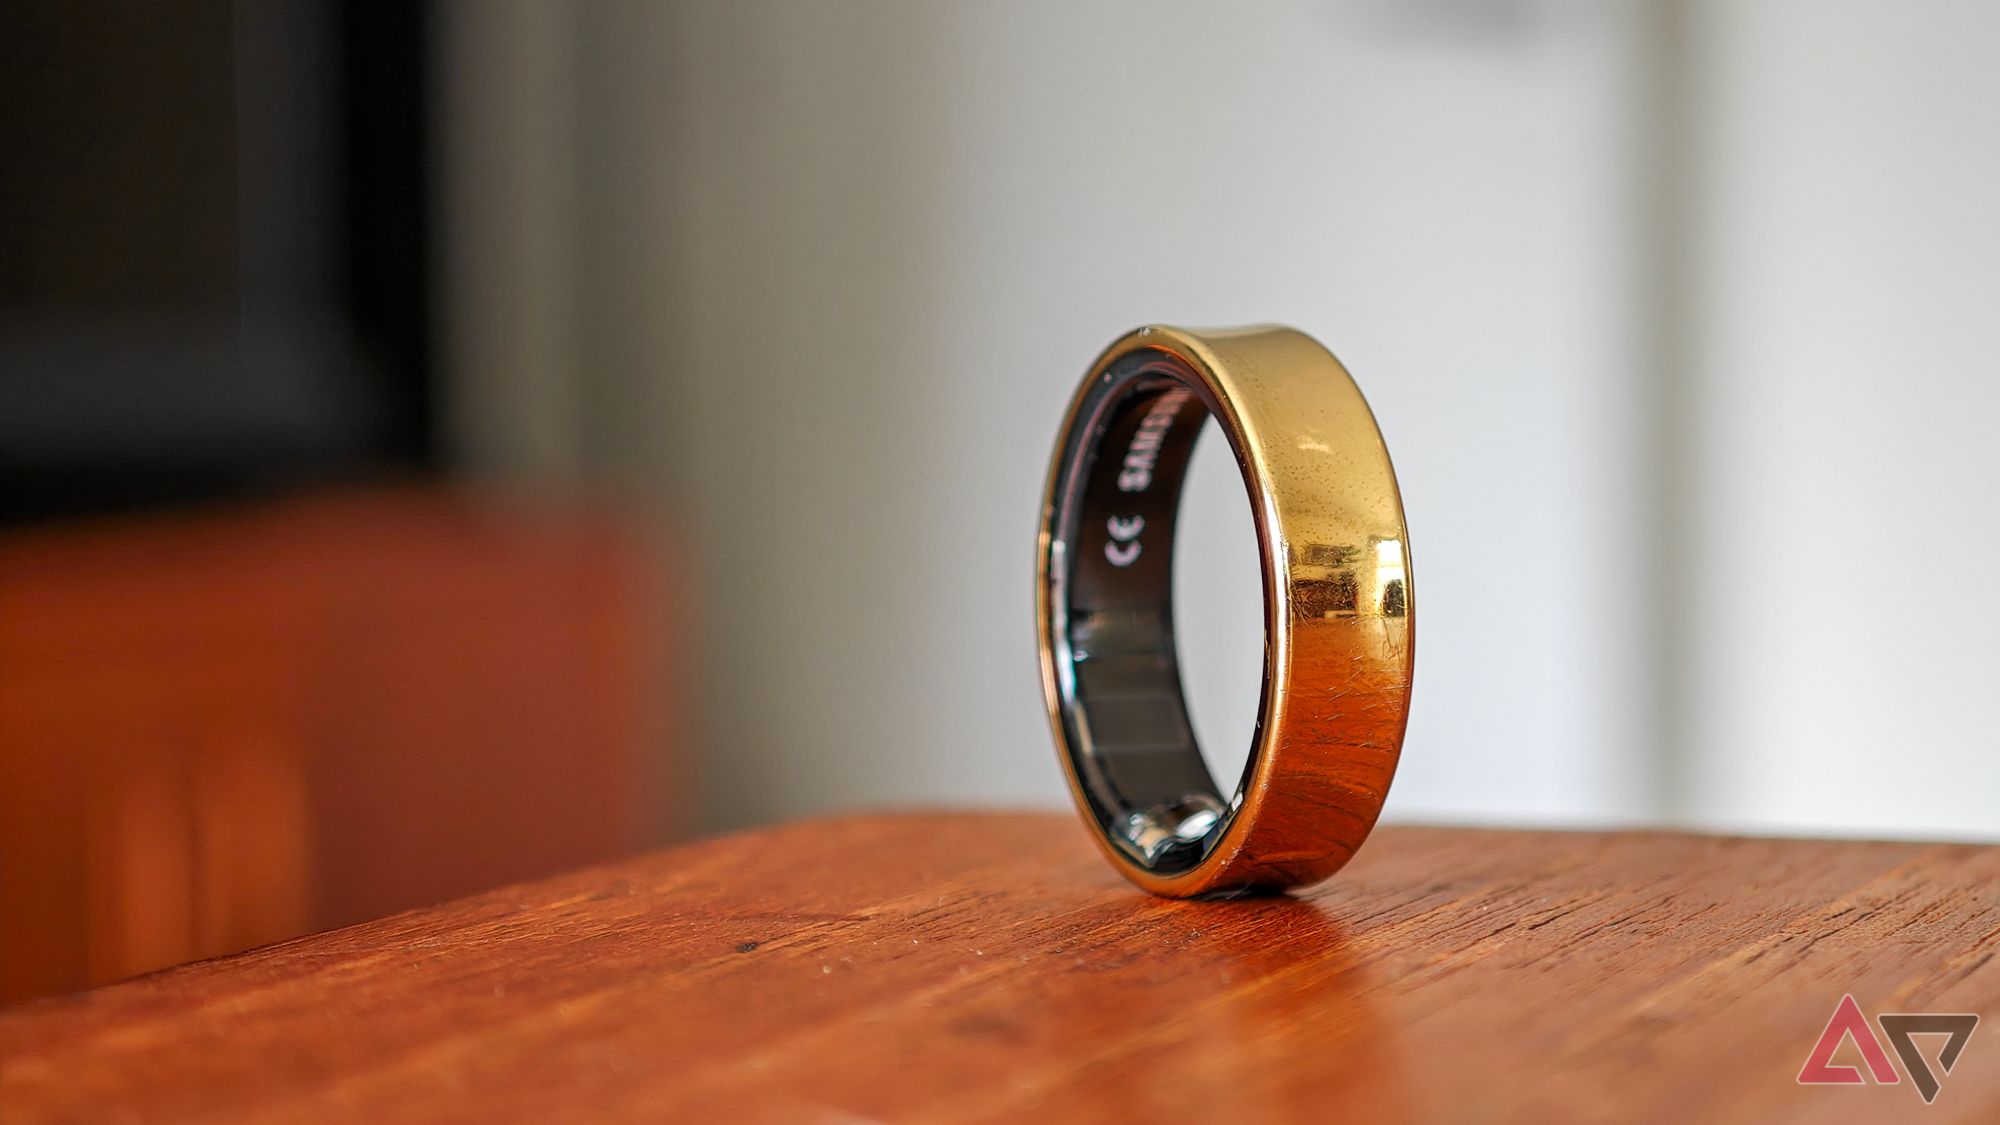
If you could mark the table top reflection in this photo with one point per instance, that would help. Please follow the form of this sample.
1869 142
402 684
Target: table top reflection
975 967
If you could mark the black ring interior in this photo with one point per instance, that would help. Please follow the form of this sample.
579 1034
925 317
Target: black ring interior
1118 675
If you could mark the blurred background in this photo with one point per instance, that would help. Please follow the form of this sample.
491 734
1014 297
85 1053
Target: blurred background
444 443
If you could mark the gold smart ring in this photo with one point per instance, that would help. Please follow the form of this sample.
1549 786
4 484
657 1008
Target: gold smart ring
1339 610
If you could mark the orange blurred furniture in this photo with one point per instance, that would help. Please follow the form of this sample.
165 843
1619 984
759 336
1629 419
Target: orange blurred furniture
222 729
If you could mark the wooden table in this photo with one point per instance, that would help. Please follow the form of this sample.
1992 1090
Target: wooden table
981 967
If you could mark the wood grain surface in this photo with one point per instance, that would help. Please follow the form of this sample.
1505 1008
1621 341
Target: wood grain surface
989 967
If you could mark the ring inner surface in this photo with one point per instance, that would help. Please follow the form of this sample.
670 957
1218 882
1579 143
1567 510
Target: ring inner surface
1126 716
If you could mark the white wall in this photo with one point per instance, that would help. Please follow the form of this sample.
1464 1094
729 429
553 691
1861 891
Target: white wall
1845 459
830 272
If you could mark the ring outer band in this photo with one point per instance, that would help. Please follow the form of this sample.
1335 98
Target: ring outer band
1337 677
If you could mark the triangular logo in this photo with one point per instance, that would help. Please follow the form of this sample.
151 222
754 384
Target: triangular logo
1847 1021
1899 1029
